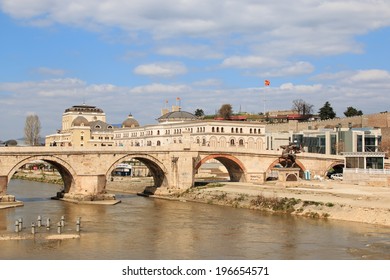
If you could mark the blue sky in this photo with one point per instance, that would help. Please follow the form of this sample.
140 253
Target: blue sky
132 56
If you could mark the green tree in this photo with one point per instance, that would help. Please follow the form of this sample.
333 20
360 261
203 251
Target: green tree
199 113
351 112
226 111
326 112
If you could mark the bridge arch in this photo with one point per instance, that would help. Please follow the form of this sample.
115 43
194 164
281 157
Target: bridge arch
67 173
298 164
233 165
156 168
337 166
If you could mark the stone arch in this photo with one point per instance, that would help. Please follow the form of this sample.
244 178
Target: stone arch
156 168
251 143
233 165
338 163
222 142
213 141
298 164
67 173
260 144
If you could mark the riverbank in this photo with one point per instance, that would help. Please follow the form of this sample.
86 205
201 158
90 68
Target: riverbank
319 200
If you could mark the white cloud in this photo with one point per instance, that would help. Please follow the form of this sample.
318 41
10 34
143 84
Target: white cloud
191 51
163 69
160 88
293 69
249 62
301 88
45 71
267 27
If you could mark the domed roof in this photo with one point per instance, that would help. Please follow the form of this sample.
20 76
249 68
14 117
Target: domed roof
80 121
177 116
130 122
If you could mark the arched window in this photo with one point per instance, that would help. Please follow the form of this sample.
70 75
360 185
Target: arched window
212 129
240 130
158 143
236 130
232 130
241 142
232 143
158 132
250 130
221 129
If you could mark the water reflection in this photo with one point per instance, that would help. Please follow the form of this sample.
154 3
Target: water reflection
144 228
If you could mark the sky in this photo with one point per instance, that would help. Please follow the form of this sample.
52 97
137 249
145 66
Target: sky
140 56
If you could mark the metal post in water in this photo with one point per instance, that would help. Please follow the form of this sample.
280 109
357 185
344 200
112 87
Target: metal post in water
48 223
63 221
59 228
16 226
32 228
78 225
39 221
20 224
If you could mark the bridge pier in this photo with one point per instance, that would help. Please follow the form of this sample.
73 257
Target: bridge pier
3 185
6 200
87 188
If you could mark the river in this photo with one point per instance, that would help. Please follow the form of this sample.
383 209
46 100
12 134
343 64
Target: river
147 228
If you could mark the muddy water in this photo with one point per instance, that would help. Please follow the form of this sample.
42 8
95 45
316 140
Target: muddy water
145 228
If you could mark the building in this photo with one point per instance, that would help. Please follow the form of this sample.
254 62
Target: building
329 141
178 126
82 126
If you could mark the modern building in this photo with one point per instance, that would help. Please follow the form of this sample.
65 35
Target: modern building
328 141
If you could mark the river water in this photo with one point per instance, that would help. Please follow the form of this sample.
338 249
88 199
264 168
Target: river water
146 228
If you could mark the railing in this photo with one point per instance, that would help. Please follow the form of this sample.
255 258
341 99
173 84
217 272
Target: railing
366 171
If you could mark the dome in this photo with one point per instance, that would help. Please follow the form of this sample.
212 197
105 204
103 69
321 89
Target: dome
80 121
177 116
130 122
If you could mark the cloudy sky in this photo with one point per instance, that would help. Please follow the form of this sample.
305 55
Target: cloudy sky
135 56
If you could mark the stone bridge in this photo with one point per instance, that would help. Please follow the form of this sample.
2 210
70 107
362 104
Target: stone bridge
86 170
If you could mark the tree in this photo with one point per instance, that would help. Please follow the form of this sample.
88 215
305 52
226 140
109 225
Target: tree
302 107
32 129
326 112
226 111
199 113
351 112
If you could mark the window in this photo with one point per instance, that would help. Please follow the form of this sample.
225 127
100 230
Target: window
158 143
212 129
241 142
217 129
232 143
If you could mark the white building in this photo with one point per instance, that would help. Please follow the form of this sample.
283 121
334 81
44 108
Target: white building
178 126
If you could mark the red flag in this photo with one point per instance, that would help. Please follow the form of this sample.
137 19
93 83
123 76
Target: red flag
267 83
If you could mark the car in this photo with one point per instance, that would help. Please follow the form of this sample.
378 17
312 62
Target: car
337 176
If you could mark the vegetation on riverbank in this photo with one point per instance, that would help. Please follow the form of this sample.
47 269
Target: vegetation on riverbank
211 195
39 177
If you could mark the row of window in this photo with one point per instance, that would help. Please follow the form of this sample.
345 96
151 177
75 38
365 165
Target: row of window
198 130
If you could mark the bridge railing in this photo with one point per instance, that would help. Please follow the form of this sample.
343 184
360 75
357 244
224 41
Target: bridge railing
366 171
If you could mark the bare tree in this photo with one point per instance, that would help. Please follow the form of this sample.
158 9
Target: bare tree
226 111
302 107
32 129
